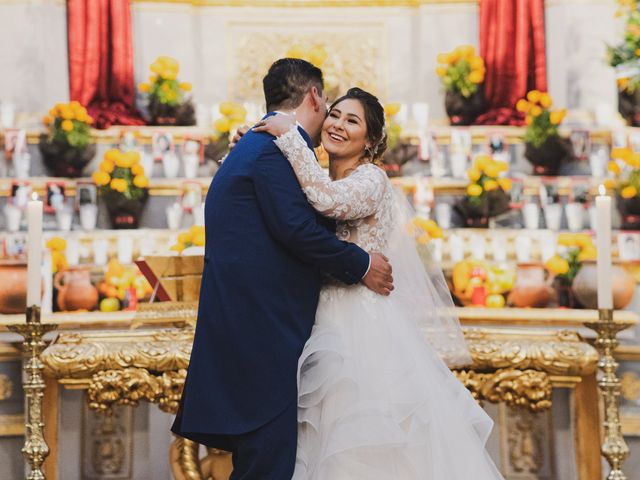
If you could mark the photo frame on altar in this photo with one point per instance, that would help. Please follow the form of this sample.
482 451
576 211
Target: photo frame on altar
14 246
193 145
161 144
433 154
55 196
581 142
191 195
86 194
498 147
128 140
629 246
461 141
20 193
15 142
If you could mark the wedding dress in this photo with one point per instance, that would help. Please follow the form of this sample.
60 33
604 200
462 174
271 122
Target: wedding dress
376 399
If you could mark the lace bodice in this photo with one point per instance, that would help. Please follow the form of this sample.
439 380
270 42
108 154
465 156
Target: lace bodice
362 203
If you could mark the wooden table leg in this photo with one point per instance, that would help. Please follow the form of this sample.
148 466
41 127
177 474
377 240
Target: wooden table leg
51 404
587 429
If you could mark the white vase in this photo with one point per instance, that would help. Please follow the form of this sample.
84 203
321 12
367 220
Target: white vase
553 216
575 216
531 216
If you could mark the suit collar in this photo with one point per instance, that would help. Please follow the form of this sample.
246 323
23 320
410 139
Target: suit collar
302 131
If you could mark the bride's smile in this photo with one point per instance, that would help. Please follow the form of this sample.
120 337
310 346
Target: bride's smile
344 131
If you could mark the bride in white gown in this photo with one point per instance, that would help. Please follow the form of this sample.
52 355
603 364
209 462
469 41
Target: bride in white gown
377 400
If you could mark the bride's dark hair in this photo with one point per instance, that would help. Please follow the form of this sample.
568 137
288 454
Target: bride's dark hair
374 119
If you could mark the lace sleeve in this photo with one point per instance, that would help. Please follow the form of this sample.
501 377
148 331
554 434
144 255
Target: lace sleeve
356 196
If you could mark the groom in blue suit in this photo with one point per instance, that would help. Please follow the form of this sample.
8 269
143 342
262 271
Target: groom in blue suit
265 254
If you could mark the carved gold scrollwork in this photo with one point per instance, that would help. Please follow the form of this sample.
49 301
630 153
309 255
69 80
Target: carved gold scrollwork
131 385
522 388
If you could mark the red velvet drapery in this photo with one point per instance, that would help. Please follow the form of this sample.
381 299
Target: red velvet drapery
512 43
101 60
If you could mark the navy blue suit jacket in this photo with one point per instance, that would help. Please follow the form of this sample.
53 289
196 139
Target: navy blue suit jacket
265 250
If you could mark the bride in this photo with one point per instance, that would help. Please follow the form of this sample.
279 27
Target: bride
377 399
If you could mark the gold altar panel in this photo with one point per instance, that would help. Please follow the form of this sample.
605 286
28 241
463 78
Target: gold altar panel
356 54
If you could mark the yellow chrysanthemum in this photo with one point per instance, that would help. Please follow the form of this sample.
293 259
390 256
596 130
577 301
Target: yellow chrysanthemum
222 125
118 184
482 161
56 244
477 63
567 240
528 120
476 77
589 253
101 178
545 100
137 169
522 106
67 125
112 155
140 181
443 58
613 167
505 184
629 192
186 86
492 169
66 112
557 116
184 238
47 120
107 166
465 51
473 174
391 109
441 71
199 239
534 96
535 111
474 190
557 265
196 229
178 247
490 185
144 87
583 240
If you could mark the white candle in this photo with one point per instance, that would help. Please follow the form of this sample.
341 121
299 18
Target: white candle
34 252
603 232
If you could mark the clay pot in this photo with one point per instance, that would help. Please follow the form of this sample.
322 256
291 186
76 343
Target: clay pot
585 286
462 110
547 158
629 107
124 212
63 160
13 287
75 290
629 209
530 288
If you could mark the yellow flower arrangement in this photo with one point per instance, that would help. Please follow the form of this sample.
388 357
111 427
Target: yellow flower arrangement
69 123
542 122
393 127
233 116
163 85
624 167
314 54
485 176
195 237
425 229
57 247
574 249
123 173
461 70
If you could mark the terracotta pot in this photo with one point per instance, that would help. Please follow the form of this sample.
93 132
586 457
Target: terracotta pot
585 286
75 290
124 212
629 107
530 288
474 215
177 115
13 287
547 158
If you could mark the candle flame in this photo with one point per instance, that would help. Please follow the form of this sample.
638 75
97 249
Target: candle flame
602 190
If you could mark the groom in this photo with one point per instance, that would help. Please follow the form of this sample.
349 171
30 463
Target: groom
266 250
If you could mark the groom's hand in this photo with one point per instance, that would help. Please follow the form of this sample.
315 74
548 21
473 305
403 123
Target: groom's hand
379 278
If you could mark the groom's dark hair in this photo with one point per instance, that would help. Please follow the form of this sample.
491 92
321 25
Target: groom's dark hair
288 81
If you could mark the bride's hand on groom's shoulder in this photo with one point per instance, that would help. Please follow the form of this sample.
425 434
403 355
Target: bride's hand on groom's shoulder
379 278
238 135
276 125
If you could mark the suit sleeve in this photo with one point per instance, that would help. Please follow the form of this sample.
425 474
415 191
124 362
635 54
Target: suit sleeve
292 221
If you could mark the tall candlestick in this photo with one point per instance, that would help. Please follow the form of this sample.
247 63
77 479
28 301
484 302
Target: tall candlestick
603 232
34 252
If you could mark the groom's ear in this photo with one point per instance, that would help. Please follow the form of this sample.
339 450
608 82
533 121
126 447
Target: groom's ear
316 98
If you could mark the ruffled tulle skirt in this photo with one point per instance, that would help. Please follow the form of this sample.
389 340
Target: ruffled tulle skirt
376 402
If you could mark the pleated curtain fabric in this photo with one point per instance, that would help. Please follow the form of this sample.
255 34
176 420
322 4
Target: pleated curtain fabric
512 43
100 47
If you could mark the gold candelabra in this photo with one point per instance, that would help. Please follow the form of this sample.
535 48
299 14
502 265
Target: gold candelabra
614 448
35 448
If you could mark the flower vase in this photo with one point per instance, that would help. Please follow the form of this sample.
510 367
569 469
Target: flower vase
530 288
629 209
63 160
547 158
124 212
498 202
629 107
171 115
564 294
474 215
462 110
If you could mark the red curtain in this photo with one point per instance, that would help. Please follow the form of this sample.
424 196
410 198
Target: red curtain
101 60
512 44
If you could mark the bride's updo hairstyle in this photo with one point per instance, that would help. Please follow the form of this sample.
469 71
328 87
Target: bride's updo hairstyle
374 119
